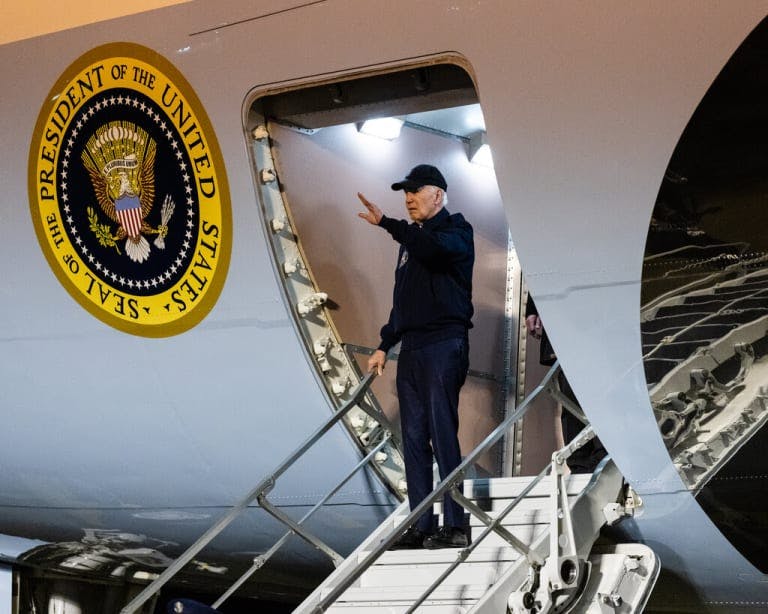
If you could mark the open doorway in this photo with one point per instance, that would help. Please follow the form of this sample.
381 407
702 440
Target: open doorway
312 156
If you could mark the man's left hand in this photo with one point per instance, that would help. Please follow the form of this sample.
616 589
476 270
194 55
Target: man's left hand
377 361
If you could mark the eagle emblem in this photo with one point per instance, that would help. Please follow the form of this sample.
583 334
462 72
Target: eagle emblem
120 160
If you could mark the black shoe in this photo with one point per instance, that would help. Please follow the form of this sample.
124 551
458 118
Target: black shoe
447 537
412 539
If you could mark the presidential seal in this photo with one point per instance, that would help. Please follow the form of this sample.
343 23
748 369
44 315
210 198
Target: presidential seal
128 192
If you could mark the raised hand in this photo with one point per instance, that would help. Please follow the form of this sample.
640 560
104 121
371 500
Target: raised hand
373 214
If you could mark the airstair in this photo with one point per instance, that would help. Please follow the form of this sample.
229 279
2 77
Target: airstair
507 567
534 545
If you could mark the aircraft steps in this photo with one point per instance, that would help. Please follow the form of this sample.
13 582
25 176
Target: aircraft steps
399 577
490 573
534 555
551 519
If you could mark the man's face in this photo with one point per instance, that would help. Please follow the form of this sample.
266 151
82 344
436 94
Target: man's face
424 203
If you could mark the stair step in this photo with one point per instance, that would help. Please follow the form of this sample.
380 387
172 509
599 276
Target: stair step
425 608
422 574
526 533
497 504
525 512
459 594
509 488
482 554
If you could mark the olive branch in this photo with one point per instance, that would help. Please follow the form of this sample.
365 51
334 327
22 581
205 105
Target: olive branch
102 232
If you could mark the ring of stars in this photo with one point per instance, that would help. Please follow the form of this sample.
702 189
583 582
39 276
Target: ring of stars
163 278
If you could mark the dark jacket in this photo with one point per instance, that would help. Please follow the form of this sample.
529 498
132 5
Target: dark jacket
432 299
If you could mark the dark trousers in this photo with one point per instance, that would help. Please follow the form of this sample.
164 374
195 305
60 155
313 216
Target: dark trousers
428 383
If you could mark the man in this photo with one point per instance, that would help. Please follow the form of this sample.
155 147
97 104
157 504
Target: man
586 458
431 314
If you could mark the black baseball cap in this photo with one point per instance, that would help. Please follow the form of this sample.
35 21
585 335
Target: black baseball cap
421 175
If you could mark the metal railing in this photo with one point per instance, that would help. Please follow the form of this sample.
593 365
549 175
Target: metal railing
260 492
452 483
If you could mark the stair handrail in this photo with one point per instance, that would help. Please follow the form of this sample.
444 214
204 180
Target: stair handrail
259 491
260 560
452 482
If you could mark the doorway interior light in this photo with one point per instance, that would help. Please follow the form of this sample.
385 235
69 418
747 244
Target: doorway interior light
480 150
382 127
